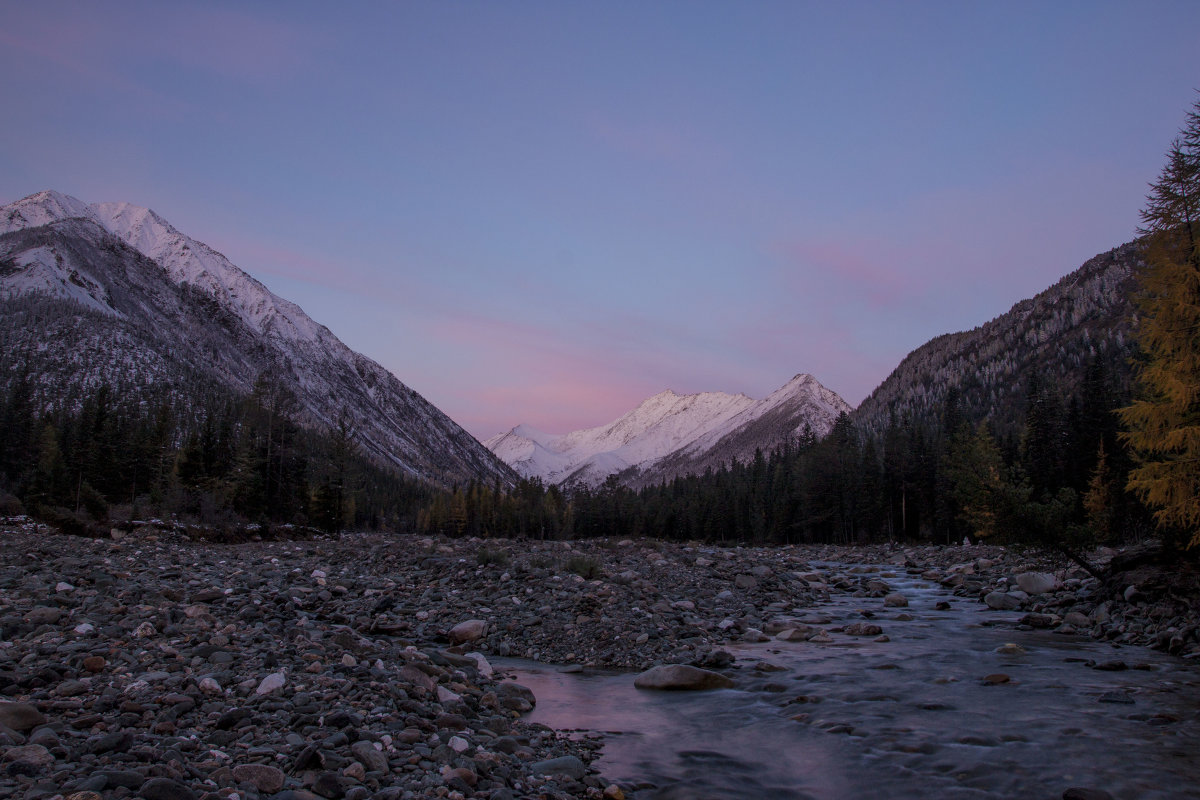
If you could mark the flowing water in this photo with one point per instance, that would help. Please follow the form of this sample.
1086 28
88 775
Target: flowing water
907 718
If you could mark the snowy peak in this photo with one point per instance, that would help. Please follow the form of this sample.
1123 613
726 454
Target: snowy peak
42 208
670 431
193 312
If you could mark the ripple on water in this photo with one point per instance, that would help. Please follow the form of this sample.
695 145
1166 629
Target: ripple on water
908 718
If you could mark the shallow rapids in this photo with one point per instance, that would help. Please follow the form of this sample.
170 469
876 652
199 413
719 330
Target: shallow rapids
911 717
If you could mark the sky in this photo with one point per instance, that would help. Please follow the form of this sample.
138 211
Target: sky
544 213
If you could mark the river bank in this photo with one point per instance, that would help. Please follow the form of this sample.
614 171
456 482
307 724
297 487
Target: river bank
154 666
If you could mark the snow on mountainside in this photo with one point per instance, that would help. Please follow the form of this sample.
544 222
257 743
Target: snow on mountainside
670 434
171 309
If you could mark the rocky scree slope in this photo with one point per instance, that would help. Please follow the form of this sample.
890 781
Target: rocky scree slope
112 293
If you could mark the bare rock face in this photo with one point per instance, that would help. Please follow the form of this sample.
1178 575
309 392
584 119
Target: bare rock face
681 677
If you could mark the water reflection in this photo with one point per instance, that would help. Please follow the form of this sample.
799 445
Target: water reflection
908 718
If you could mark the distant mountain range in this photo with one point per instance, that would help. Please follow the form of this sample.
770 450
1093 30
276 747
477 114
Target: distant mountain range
671 434
111 293
1086 317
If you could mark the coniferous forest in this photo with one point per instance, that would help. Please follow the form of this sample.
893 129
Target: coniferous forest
1058 482
216 461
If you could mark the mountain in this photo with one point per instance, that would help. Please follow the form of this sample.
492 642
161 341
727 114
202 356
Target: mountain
1084 318
111 293
671 434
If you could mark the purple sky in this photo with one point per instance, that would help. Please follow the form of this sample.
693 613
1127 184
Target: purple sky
546 212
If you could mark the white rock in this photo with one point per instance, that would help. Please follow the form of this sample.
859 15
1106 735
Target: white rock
84 628
444 695
458 744
274 681
481 663
1037 582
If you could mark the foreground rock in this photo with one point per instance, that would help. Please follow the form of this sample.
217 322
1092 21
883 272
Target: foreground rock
331 668
681 677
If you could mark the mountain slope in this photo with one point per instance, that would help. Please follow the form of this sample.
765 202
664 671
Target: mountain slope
113 293
670 434
1086 315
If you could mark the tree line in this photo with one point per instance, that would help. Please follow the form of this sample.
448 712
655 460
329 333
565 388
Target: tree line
213 459
1059 481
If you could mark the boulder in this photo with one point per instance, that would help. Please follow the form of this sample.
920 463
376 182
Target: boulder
681 677
1037 582
469 631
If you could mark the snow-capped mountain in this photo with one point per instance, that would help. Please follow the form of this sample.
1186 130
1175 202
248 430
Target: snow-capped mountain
670 434
147 305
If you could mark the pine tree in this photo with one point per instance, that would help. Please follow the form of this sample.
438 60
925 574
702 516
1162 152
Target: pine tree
1163 425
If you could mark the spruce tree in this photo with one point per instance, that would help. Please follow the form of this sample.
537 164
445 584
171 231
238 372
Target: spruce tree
1163 424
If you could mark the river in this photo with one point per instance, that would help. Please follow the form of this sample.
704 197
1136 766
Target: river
911 717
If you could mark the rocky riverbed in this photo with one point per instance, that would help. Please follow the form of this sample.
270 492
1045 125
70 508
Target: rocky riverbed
153 666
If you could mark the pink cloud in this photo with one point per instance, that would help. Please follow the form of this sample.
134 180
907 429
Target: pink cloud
860 269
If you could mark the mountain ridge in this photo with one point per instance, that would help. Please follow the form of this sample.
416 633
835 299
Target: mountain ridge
670 434
135 270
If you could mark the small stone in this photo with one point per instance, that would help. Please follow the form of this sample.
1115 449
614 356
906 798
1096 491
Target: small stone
43 615
681 677
458 744
94 663
613 792
1077 620
996 678
165 789
745 582
271 683
895 600
1001 601
862 629
1010 649
467 631
20 717
84 628
463 774
145 631
349 660
570 766
33 754
265 778
481 664
374 759
210 686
